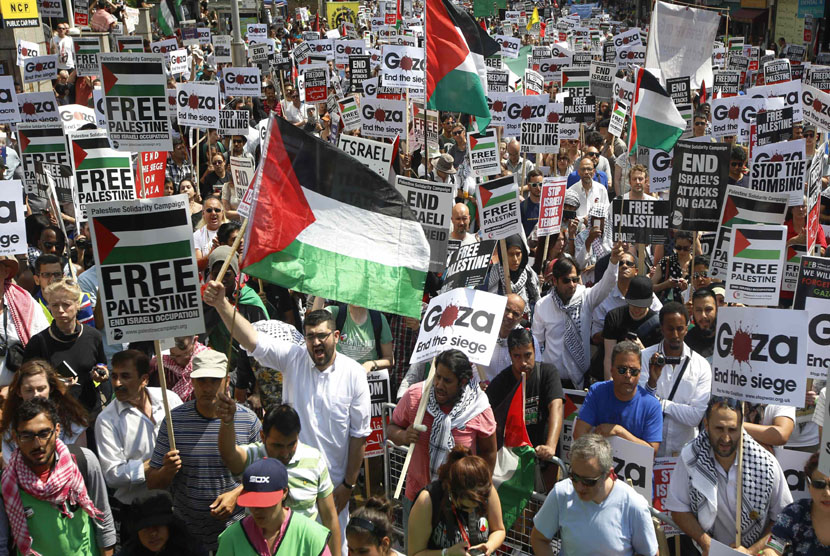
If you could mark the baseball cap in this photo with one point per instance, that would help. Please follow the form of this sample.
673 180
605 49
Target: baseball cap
263 484
220 254
209 364
718 289
640 291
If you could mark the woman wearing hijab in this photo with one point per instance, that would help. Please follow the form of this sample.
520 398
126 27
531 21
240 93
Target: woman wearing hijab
523 281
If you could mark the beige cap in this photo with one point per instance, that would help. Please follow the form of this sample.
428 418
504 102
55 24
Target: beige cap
209 364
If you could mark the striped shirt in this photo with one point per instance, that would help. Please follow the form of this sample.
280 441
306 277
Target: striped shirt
203 475
308 476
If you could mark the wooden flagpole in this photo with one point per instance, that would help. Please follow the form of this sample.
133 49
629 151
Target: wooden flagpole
163 384
417 425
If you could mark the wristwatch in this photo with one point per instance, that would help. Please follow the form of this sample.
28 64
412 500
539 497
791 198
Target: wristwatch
347 485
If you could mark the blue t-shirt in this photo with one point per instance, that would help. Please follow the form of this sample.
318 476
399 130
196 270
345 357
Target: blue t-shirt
642 416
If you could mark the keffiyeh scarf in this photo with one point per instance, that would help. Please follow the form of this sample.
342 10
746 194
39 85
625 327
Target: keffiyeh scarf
21 306
473 402
573 327
758 480
180 376
65 486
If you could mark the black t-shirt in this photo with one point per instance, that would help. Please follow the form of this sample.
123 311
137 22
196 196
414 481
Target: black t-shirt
213 184
618 323
698 341
542 387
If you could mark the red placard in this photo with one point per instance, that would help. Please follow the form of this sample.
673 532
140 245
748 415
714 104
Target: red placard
153 165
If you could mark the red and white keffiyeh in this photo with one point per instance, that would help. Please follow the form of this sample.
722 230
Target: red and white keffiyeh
65 484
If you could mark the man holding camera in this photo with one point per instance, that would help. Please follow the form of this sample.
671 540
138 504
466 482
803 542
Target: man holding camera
680 379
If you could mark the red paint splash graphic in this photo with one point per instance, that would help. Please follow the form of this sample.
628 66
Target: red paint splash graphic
448 316
742 347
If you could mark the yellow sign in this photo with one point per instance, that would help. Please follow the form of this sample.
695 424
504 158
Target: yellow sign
19 13
339 12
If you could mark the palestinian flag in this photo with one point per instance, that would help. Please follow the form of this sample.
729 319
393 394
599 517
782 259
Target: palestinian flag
739 209
515 473
101 172
492 193
576 78
91 151
133 79
169 15
482 141
37 138
456 74
764 243
656 122
143 237
323 223
86 45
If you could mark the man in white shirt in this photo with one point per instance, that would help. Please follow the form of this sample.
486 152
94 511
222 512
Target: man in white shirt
126 429
627 271
63 45
562 321
682 383
328 389
293 110
590 192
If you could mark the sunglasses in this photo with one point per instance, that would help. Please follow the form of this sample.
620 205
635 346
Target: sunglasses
569 280
587 481
682 247
219 161
819 484
633 371
699 124
809 135
457 132
592 154
629 264
736 164
701 274
49 244
534 184
213 211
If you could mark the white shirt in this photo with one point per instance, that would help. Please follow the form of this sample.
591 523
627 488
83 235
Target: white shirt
65 49
203 239
723 529
615 299
549 325
683 413
334 405
598 195
294 114
818 414
126 438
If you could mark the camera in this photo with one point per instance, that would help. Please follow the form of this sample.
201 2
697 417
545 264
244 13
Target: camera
659 359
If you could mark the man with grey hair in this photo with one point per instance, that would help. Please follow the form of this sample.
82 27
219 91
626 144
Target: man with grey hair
518 165
592 512
620 407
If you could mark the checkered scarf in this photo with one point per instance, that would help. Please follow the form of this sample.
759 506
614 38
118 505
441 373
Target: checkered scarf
473 402
573 327
64 486
758 479
182 385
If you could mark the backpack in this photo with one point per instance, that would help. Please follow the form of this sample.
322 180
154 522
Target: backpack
374 316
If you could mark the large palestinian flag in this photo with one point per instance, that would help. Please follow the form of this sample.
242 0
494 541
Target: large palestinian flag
515 473
456 74
760 243
169 16
656 122
739 209
323 223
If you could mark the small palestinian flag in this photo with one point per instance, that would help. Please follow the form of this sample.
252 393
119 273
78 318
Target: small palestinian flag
143 237
101 172
323 223
128 78
576 78
739 209
515 473
482 141
764 243
493 193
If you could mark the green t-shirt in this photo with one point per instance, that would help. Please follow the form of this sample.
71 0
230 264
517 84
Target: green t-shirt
358 342
54 533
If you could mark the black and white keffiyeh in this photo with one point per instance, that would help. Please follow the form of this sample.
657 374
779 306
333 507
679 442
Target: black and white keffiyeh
473 402
573 327
758 480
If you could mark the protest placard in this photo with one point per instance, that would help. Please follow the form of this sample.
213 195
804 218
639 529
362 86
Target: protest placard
633 462
777 71
733 116
698 180
197 104
727 83
153 164
773 126
40 68
467 265
316 79
576 81
824 444
101 173
40 142
432 203
641 221
359 71
602 79
242 172
484 153
402 66
135 101
178 60
519 108
792 464
742 205
534 83
509 45
383 118
86 55
579 109
811 293
786 177
679 90
540 137
242 82
617 124
234 122
498 208
350 113
376 155
463 319
12 218
663 470
755 264
126 43
222 49
8 100
149 282
380 393
38 107
760 355
551 205
789 92
815 105
497 81
344 49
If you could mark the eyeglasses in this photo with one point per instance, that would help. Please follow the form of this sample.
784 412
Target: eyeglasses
699 124
49 244
682 247
701 274
220 161
587 481
213 211
28 437
736 164
321 336
591 154
634 371
629 264
534 184
54 275
819 484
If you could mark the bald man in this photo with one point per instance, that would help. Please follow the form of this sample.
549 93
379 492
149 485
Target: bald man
460 224
513 312
517 163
